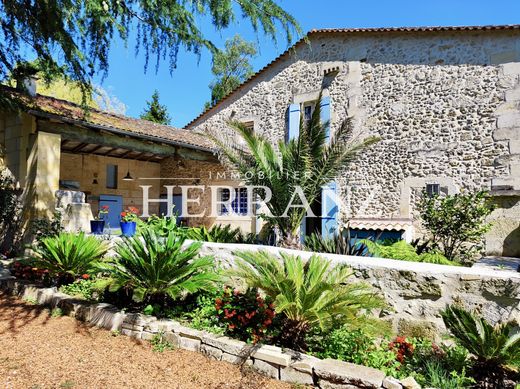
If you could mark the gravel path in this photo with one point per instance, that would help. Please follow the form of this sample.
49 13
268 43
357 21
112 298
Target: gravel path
39 351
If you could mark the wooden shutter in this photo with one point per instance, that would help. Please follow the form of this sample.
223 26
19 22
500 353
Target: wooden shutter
325 114
329 208
293 128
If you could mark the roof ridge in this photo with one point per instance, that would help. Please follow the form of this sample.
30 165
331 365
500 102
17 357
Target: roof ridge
351 30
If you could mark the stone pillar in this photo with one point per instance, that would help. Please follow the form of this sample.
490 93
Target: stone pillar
43 174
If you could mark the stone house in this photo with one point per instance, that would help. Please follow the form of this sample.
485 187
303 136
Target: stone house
445 102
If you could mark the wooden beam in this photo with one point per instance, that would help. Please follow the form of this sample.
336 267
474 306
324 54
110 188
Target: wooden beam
78 148
98 147
105 138
126 154
64 142
109 151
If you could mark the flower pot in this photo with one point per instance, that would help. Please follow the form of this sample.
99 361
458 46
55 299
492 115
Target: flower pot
128 228
97 226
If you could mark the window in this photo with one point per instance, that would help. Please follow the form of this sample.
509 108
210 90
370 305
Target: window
111 176
238 205
433 190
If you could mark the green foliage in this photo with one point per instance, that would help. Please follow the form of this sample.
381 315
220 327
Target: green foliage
231 67
159 344
246 315
340 243
82 288
430 363
10 209
45 228
309 162
74 39
356 346
68 255
495 347
311 294
457 222
56 312
162 225
155 111
220 234
404 251
199 313
154 267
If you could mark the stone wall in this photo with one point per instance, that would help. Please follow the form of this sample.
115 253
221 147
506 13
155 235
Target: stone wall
443 103
416 292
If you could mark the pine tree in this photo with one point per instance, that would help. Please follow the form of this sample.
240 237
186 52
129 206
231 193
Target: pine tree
155 111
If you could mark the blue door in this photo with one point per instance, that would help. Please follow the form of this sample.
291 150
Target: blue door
115 207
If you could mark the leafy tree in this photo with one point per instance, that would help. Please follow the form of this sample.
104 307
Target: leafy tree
74 38
155 267
231 67
155 111
456 222
309 162
496 348
310 294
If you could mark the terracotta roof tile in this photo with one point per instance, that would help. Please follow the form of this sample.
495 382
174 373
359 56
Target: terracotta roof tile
70 112
349 31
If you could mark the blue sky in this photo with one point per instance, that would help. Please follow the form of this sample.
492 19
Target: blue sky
186 90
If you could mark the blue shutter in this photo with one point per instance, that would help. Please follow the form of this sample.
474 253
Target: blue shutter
325 114
329 210
294 121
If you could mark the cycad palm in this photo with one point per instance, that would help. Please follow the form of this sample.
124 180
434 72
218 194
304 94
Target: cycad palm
310 294
153 267
308 161
496 348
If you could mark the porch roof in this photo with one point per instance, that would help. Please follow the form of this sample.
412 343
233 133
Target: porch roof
51 108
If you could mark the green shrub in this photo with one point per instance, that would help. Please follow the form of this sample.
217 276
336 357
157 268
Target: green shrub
340 243
496 348
162 226
405 252
45 228
198 311
159 344
154 267
68 255
82 288
457 223
246 315
220 234
308 294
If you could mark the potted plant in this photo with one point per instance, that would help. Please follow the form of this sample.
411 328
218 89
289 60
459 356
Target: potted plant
98 224
129 221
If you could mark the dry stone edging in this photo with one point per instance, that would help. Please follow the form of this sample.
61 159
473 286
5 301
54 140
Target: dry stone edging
275 362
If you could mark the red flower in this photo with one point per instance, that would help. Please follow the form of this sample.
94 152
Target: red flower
123 214
85 276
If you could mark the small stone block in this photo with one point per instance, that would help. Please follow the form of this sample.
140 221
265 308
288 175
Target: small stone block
189 344
338 372
392 383
273 355
234 359
186 332
131 333
211 352
266 368
288 374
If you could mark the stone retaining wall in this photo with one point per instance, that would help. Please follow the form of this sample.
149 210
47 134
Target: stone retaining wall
277 363
416 292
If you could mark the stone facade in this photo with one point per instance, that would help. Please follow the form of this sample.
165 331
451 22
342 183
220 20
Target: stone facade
445 105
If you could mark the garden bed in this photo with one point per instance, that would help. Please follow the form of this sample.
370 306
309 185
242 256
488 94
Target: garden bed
285 365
